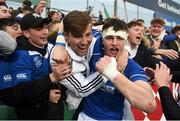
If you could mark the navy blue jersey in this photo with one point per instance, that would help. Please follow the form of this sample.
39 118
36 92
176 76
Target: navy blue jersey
107 103
5 77
30 65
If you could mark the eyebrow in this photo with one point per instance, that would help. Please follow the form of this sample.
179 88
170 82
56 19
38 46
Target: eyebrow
4 10
115 35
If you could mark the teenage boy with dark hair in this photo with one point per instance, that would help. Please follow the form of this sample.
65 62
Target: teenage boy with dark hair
31 73
107 103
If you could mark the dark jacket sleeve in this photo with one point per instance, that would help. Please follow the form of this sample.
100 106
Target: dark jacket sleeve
144 57
170 108
172 45
25 92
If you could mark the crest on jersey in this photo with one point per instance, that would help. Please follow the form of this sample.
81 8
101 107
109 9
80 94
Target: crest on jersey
37 61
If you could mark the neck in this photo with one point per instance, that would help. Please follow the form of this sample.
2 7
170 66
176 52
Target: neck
133 46
154 37
35 45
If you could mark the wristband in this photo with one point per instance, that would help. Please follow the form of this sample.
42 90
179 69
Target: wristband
110 70
60 38
60 34
60 44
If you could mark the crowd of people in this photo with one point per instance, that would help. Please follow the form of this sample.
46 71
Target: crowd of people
47 63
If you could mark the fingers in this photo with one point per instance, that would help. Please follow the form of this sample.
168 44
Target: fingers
59 54
102 63
64 70
120 68
162 66
61 71
55 95
61 60
64 76
157 66
57 61
172 54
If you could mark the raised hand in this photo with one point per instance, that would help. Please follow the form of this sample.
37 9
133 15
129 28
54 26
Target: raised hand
162 75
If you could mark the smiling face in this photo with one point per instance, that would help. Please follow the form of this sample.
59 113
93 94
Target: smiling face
37 36
11 26
14 30
80 43
78 31
156 29
4 12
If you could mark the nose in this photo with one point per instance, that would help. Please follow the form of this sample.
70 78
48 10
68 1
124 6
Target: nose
114 41
85 40
45 30
141 32
19 31
8 15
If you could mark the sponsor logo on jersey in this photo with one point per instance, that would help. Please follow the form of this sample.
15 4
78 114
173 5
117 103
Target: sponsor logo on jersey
108 89
21 76
7 78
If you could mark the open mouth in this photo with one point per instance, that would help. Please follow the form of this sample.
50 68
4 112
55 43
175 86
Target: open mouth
43 38
114 51
82 49
138 37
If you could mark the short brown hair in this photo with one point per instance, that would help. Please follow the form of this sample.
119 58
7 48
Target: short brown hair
76 22
135 23
140 20
175 29
158 21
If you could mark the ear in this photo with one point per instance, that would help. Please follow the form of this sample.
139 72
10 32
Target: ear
65 35
103 41
26 33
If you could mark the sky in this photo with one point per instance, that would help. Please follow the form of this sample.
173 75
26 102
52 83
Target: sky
177 1
82 5
97 6
77 5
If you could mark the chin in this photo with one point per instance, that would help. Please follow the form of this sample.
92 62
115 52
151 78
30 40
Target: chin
138 43
82 54
113 55
45 42
156 34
